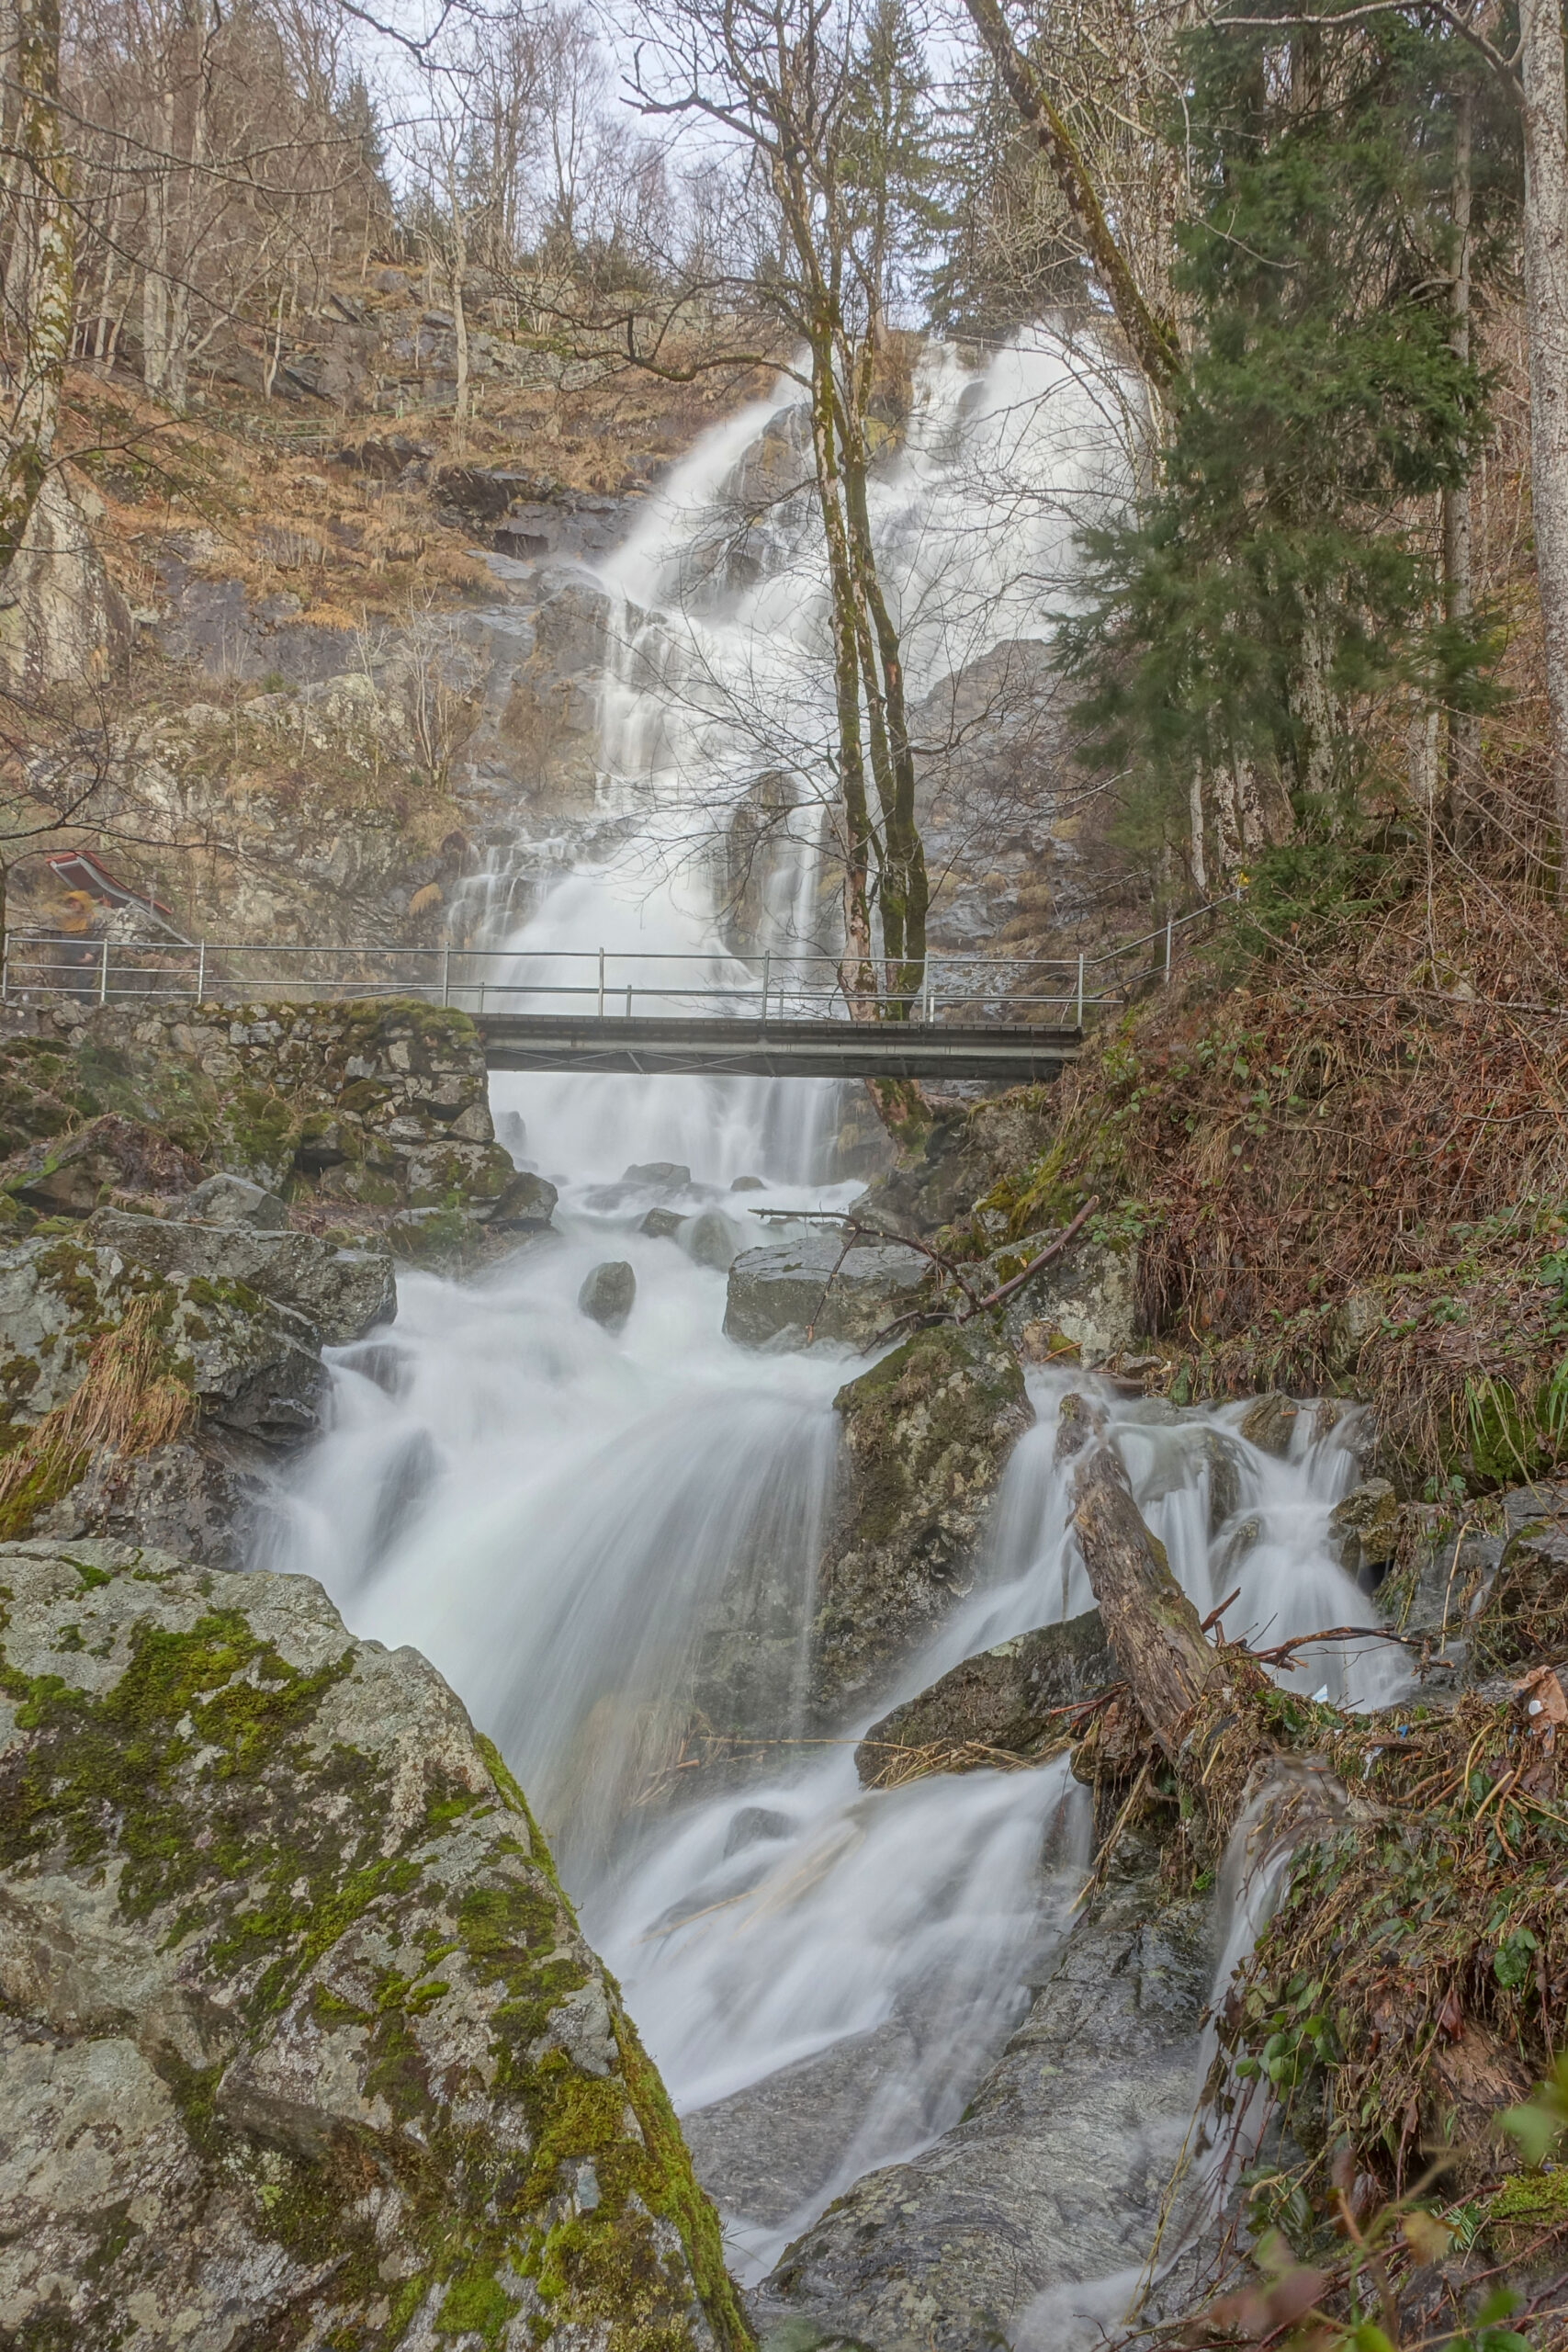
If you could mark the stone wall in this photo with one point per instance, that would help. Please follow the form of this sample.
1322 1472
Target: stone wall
378 1106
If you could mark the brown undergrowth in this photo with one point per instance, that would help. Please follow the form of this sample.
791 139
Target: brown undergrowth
1345 1165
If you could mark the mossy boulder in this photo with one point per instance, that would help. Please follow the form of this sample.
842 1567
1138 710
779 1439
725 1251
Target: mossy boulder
342 1293
926 1433
1013 1698
251 1365
301 2042
780 1292
1524 1616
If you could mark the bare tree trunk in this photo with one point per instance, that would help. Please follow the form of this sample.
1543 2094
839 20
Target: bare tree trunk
1545 115
42 259
1152 340
1151 1625
859 983
1197 854
1459 599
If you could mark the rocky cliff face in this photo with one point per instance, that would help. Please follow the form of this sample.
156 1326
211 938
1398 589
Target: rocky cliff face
301 2042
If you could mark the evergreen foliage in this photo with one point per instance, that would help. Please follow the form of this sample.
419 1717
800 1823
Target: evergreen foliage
1279 585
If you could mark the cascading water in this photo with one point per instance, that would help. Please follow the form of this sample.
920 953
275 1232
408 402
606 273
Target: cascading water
587 1532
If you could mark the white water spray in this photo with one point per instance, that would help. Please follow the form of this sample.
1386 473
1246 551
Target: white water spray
584 1531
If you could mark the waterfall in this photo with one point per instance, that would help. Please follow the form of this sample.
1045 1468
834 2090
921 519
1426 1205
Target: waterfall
592 1535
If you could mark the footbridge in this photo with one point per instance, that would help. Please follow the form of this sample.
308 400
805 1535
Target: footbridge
1003 1017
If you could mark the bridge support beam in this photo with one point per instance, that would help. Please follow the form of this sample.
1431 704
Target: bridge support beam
784 1049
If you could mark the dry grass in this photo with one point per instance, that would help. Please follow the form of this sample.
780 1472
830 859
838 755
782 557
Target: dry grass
126 1403
1351 1164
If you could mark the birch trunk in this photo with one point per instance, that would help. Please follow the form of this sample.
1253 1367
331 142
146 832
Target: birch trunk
1545 116
39 279
1459 594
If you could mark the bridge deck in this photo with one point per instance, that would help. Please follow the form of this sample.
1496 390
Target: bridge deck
781 1049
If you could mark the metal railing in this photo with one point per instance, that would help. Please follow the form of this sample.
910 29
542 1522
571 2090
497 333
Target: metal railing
983 990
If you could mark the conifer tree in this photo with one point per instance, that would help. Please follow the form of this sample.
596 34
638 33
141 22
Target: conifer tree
1282 577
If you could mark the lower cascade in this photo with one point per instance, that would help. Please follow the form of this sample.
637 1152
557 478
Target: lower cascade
920 2075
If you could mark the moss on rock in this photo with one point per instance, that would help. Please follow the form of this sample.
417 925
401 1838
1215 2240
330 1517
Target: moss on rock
927 1433
302 2036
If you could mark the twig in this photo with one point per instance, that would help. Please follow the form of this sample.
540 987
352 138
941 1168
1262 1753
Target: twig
921 1318
1215 1616
1279 1655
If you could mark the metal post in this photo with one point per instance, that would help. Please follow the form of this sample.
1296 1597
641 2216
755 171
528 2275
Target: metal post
1080 990
1167 929
447 975
601 984
202 973
931 989
104 975
767 974
628 999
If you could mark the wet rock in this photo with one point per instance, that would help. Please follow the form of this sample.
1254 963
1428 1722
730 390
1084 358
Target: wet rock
1269 1422
234 1200
251 1365
511 1133
1363 1528
1245 1537
1346 1328
342 1293
609 1294
217 1988
962 1159
711 1239
1057 2173
1227 1478
206 1496
527 1205
1523 1616
661 1224
668 1175
1087 1299
926 1433
1009 1697
748 1184
72 1176
780 1292
753 1826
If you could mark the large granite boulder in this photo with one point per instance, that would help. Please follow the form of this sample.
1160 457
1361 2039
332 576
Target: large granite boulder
250 1365
780 1292
926 1433
1010 1697
1058 2173
342 1293
301 2042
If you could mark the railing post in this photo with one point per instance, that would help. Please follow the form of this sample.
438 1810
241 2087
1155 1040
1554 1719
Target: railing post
201 974
1168 932
628 999
601 984
104 975
767 975
1080 988
446 974
930 992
